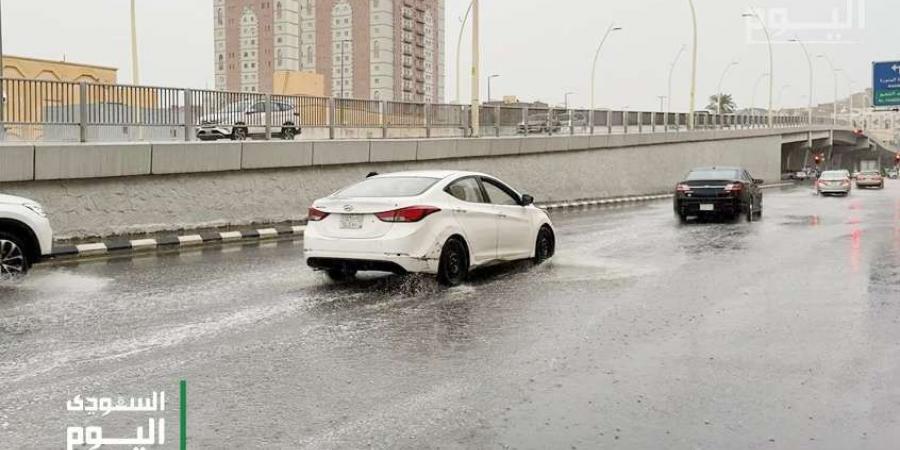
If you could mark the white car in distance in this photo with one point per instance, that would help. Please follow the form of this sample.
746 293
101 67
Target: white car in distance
25 235
435 222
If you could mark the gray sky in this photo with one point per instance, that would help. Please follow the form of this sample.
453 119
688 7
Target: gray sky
541 48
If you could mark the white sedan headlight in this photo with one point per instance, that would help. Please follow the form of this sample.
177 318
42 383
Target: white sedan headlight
36 208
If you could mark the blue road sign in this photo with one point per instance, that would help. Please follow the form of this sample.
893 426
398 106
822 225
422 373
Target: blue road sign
886 84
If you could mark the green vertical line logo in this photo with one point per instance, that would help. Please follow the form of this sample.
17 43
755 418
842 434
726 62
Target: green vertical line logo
182 419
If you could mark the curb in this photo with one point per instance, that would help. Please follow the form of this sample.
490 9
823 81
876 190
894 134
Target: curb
622 200
604 202
125 246
170 242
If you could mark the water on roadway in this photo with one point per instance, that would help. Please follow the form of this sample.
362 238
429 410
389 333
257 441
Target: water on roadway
640 333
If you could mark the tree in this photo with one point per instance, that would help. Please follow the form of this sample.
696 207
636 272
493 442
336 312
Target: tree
728 104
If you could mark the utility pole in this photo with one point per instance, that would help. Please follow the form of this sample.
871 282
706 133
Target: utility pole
476 57
693 69
135 74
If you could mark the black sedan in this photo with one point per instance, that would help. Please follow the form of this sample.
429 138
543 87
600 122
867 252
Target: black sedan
719 191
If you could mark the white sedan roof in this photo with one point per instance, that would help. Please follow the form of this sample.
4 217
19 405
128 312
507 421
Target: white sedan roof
440 174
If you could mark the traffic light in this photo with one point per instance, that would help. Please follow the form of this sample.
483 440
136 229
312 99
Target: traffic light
897 159
818 159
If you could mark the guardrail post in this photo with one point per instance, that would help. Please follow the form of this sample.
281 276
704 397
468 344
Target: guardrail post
653 121
524 121
497 121
625 117
267 99
82 111
331 115
591 118
188 115
608 121
571 122
382 110
427 120
640 122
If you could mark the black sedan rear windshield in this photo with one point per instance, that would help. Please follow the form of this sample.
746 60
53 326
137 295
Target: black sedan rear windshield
388 187
713 174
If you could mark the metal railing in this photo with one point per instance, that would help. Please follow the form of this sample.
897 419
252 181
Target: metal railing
40 110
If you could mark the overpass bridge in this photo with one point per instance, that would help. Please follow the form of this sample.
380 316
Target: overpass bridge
113 159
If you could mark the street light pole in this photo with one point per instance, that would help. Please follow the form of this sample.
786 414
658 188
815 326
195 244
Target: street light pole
671 72
459 46
489 78
771 64
135 76
834 75
476 57
612 27
566 99
662 102
811 84
693 68
719 89
755 89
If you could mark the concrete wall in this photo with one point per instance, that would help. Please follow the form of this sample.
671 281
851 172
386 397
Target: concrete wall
197 185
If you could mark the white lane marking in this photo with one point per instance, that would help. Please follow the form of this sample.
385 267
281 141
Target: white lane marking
230 235
139 244
92 249
267 233
191 239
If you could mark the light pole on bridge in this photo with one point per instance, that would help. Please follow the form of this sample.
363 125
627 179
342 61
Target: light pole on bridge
811 84
612 27
765 28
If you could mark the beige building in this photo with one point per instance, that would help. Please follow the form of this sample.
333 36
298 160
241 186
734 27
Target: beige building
370 49
288 82
43 69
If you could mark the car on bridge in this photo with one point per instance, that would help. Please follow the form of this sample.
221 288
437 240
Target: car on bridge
443 223
834 182
25 235
719 191
240 120
870 178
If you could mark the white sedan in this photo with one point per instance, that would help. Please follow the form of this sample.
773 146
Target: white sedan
25 235
436 222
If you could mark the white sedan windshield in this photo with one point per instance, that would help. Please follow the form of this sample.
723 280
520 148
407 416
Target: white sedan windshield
388 187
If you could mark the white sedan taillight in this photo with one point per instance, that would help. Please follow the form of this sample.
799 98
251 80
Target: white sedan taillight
409 214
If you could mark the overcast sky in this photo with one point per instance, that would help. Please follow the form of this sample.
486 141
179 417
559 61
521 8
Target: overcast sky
541 48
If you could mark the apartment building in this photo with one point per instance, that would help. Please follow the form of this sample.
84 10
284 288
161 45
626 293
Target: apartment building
369 49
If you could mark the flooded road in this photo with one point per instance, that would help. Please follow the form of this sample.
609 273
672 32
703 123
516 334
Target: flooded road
640 333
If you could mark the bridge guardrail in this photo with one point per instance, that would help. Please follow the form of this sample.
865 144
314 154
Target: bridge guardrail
60 111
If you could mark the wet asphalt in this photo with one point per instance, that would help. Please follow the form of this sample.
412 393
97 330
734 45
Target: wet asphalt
640 333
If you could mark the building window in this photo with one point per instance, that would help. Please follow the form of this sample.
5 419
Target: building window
219 20
376 49
278 11
280 57
221 63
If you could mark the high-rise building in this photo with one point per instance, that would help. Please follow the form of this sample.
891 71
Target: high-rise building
371 49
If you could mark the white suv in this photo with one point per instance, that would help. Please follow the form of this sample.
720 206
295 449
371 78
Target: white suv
239 120
25 235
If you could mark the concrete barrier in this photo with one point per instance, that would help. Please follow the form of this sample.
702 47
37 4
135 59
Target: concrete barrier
195 157
16 162
209 184
399 150
69 161
271 154
436 149
335 152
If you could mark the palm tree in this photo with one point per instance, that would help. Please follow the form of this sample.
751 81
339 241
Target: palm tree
728 104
